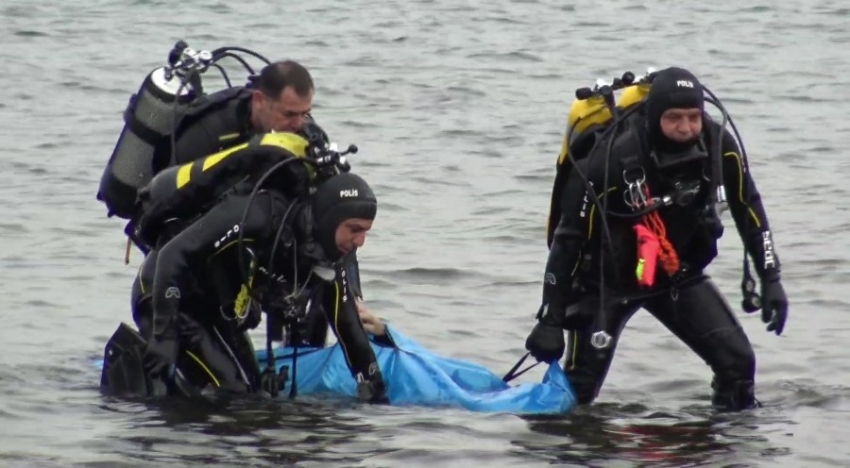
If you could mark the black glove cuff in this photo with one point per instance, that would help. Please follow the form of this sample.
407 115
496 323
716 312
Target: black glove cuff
550 316
771 276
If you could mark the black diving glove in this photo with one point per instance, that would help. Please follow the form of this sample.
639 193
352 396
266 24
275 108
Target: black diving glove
546 340
160 357
774 305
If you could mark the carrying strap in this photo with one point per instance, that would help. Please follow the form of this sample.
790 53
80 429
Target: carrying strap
512 374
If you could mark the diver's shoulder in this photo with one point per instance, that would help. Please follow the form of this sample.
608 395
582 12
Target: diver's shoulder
625 142
712 127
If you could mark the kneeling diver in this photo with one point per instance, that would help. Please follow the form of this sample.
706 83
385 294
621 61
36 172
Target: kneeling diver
657 189
179 195
201 304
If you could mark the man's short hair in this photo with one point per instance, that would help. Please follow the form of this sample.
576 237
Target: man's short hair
278 75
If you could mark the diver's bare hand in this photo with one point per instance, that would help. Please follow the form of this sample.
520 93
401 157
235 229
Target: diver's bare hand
372 324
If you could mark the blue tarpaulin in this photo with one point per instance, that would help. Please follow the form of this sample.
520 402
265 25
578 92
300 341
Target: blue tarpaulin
416 376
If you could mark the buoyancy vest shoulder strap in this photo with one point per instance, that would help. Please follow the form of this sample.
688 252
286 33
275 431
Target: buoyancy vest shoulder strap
220 122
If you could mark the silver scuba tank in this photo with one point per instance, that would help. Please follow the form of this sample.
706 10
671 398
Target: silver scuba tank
149 121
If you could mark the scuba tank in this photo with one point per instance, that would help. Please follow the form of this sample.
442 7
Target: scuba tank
636 93
589 117
150 119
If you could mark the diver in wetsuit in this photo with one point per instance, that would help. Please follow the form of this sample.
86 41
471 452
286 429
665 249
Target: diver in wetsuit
179 195
278 99
663 153
202 297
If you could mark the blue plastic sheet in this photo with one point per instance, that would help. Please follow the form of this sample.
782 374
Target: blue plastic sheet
416 376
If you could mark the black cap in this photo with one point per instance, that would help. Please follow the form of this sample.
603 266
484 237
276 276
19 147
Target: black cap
343 196
672 88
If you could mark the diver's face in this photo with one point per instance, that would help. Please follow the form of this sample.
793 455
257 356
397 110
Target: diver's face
681 125
286 113
351 234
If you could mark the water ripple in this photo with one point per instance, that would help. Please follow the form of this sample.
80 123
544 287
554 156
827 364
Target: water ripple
458 109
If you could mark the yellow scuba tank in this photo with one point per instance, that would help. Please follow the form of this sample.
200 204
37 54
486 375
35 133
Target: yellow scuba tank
632 95
635 93
587 117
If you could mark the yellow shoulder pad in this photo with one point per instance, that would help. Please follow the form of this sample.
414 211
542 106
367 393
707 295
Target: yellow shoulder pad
294 143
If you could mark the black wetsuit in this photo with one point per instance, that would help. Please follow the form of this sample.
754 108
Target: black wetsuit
688 304
196 286
312 328
214 123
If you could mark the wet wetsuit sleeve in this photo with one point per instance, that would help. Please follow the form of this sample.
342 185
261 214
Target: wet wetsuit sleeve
186 253
570 236
339 304
748 211
352 267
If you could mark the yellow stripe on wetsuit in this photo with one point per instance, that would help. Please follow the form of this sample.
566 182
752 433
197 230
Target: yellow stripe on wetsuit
228 245
573 333
141 282
590 225
741 186
336 327
195 358
192 355
593 209
205 368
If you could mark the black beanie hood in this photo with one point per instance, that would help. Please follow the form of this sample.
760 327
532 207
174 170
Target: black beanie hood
671 88
343 196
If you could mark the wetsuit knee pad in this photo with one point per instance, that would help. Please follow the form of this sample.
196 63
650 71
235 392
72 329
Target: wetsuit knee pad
143 282
136 295
139 302
718 337
140 293
209 360
733 383
735 359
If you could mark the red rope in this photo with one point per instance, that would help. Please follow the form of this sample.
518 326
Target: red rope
667 254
